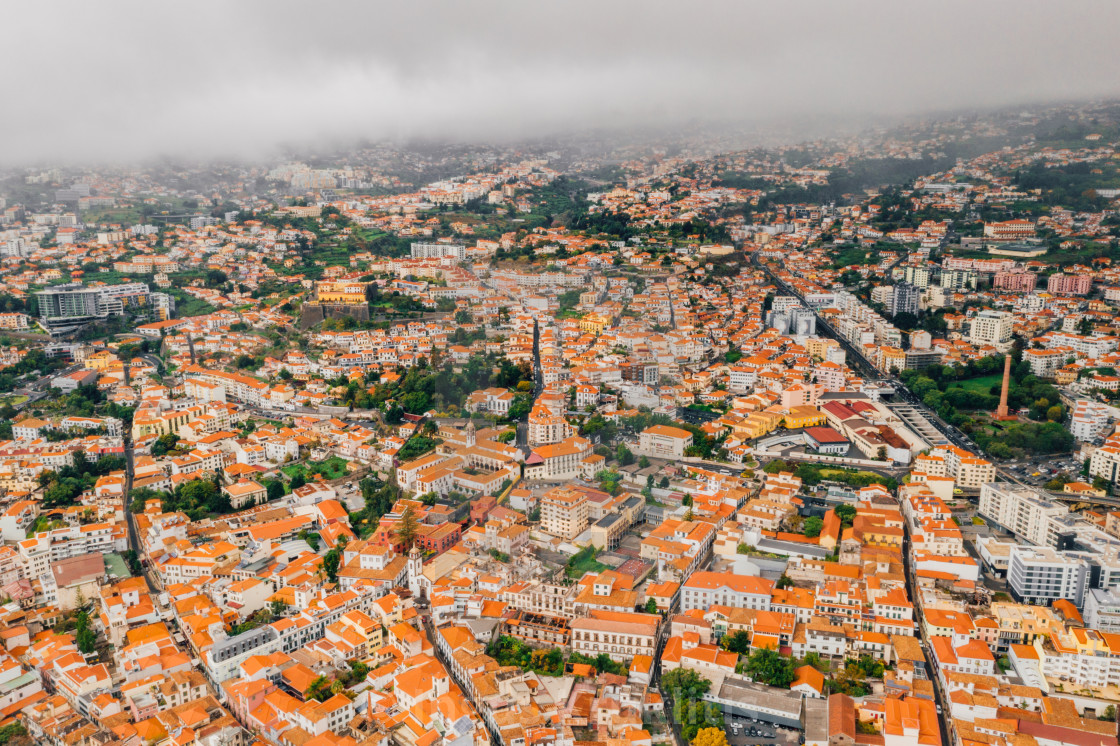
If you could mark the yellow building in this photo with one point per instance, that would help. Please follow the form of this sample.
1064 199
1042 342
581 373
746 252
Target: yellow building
805 416
348 291
162 423
100 360
758 424
818 347
1065 376
594 323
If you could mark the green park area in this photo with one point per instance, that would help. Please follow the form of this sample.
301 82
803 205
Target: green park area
331 468
980 384
583 562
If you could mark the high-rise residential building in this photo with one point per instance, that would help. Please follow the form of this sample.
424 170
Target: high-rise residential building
1029 514
959 279
68 307
882 294
1040 575
905 299
991 328
564 512
916 276
1016 282
1063 284
1089 419
1102 610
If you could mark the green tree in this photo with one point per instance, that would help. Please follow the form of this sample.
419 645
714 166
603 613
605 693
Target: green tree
812 526
407 528
85 637
319 689
694 716
738 641
164 443
684 683
905 320
770 667
520 407
331 562
274 489
14 733
846 513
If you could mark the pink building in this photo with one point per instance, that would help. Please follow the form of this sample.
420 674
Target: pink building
1017 282
1062 284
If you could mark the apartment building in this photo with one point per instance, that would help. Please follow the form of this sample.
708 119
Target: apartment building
1029 514
1046 363
959 279
1105 462
1080 657
1102 610
564 512
991 328
1063 284
438 251
918 276
546 427
904 299
1081 344
47 548
967 469
1015 281
1090 419
663 441
1041 575
239 387
17 518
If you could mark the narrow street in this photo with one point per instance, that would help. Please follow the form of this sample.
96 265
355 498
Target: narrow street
130 520
939 698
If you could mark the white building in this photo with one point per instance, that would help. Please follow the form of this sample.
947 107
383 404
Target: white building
1040 576
438 251
991 328
1025 512
663 441
1102 610
1090 419
705 589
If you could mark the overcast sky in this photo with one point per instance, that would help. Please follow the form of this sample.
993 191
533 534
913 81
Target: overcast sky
112 80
